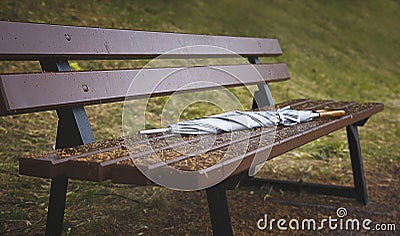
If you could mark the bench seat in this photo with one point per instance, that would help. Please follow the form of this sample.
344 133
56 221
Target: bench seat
109 159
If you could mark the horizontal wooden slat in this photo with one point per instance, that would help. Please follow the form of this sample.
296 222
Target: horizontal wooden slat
30 41
42 91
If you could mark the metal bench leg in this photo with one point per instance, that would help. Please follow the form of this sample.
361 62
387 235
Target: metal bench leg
55 213
219 211
73 129
359 191
218 205
357 164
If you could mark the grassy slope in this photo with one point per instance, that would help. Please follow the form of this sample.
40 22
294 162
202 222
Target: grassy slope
334 50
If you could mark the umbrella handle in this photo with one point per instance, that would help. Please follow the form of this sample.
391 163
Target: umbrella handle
332 113
154 131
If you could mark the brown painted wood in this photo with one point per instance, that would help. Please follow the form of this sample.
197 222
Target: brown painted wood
31 41
118 168
43 166
51 165
303 136
101 170
124 173
42 91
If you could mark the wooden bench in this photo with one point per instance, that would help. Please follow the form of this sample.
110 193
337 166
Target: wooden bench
66 91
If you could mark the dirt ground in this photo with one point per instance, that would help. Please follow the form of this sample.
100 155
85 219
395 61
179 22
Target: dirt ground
118 209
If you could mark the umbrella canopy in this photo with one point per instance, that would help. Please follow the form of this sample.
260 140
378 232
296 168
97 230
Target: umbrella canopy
240 120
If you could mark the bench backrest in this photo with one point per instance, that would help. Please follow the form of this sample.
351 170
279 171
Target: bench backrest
58 86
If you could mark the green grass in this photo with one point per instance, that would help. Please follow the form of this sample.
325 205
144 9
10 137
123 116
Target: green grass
334 50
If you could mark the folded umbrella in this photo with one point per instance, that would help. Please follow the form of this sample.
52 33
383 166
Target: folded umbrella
240 120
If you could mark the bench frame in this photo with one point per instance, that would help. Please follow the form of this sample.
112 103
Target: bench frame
74 128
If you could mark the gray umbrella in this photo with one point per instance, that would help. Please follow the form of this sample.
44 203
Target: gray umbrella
239 120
